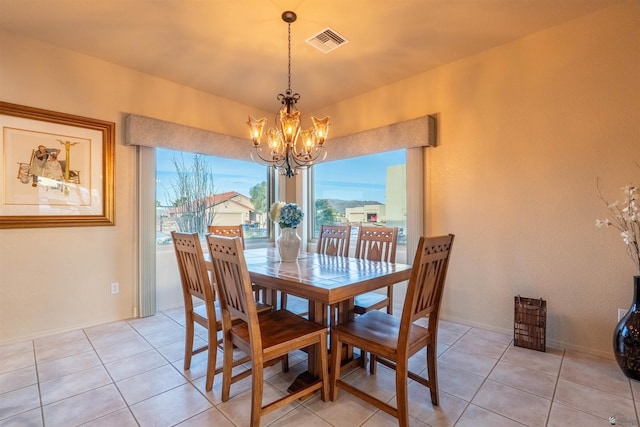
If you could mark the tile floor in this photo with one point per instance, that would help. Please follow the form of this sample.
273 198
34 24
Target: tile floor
129 373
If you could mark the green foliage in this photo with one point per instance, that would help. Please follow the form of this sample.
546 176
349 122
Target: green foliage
258 195
325 214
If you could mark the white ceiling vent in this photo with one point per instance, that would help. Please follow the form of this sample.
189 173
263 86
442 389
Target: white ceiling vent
327 40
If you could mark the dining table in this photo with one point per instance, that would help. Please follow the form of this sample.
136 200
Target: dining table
329 284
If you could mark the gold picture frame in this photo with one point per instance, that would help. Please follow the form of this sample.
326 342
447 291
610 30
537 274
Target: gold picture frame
56 169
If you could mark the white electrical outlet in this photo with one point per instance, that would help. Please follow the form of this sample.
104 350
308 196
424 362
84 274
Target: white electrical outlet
115 288
621 313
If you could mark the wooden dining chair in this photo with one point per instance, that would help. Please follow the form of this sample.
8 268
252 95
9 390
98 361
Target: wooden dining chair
197 286
334 240
238 230
376 244
264 338
227 230
392 341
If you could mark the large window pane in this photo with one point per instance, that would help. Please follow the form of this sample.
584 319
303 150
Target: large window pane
366 191
195 190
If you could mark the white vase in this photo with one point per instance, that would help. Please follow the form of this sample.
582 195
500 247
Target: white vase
288 245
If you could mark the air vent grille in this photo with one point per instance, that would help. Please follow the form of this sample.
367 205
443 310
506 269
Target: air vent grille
327 40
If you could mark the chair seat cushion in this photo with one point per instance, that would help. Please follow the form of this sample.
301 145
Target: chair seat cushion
376 330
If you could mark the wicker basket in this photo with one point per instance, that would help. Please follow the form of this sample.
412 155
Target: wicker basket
530 323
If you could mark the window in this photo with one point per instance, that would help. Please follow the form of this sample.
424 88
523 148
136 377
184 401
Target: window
196 190
366 191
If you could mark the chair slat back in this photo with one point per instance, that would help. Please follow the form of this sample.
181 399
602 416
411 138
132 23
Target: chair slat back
377 243
227 230
334 240
232 279
193 270
426 283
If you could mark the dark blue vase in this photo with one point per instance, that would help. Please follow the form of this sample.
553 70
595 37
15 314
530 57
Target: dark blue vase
626 337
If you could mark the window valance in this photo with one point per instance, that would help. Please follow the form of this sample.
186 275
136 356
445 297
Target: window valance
148 132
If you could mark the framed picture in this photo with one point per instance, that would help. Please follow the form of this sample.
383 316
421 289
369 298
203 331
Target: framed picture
56 169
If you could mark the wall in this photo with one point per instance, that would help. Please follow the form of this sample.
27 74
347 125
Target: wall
525 131
36 299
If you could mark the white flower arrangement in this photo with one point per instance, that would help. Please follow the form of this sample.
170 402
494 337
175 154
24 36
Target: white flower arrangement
626 219
287 215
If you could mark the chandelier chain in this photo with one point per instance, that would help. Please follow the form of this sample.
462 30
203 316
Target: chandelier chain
289 59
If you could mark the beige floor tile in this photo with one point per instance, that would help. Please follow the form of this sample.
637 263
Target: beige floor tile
170 334
457 382
498 337
32 418
123 349
237 407
8 351
449 332
72 384
382 385
346 411
282 380
476 345
635 389
18 378
16 360
152 324
517 392
50 353
524 379
474 363
107 328
83 407
592 401
113 337
176 314
548 362
67 365
136 364
418 362
474 416
150 383
444 415
59 339
562 416
198 367
171 407
202 332
17 401
382 419
119 418
300 416
175 351
598 373
215 395
208 418
509 402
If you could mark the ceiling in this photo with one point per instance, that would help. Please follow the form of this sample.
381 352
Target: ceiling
237 49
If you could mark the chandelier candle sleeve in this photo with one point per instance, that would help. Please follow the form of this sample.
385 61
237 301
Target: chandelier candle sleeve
289 148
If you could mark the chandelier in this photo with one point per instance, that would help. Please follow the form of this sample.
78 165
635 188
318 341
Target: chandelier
289 149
